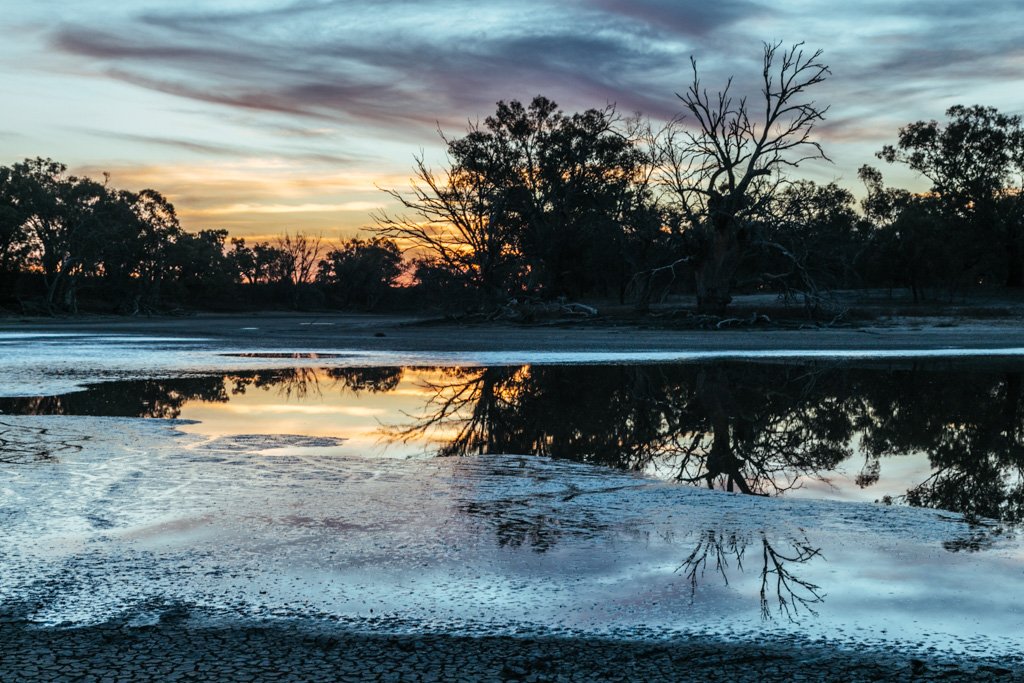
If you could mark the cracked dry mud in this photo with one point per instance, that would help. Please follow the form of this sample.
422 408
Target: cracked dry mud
174 651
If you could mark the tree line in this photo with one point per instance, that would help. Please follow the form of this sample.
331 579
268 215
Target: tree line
536 204
69 241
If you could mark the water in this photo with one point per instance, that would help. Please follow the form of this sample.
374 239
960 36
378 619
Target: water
946 435
867 502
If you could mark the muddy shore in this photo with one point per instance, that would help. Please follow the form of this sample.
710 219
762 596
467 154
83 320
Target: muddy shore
409 333
302 650
181 645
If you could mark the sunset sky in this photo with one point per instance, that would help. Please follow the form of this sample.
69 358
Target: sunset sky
265 115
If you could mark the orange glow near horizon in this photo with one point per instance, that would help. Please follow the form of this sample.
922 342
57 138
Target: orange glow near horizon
260 199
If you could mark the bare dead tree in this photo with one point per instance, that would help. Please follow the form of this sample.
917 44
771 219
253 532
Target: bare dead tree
451 217
303 253
728 160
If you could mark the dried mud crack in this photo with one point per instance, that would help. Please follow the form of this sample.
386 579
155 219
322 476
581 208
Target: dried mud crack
174 650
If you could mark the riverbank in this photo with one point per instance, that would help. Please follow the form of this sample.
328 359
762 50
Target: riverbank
411 333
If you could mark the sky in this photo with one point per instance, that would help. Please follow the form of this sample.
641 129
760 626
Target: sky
261 116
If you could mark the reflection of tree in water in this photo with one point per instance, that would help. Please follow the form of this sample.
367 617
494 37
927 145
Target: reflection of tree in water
970 423
21 444
717 426
159 398
164 398
755 428
791 593
372 380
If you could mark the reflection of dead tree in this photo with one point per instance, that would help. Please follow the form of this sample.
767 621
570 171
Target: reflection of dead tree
466 400
373 380
291 382
692 428
801 593
20 444
718 547
792 594
762 449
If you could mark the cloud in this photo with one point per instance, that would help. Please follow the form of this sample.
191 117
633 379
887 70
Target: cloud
686 18
288 208
383 74
210 149
381 81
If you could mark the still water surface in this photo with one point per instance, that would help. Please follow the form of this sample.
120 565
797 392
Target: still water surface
941 434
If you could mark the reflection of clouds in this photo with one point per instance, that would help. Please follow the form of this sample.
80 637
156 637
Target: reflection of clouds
292 409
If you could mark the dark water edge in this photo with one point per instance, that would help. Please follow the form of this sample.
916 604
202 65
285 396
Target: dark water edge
183 646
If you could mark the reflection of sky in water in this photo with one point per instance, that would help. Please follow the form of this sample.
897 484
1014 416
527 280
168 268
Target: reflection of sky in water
327 408
363 419
144 516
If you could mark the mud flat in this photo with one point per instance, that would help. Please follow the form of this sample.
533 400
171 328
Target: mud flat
136 549
410 333
142 549
178 649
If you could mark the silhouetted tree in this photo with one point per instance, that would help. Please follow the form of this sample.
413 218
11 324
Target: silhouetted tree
576 189
359 272
63 226
14 236
202 268
533 201
912 242
724 169
457 220
810 240
301 255
138 232
976 166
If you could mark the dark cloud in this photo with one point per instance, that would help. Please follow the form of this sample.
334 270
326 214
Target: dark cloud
87 42
683 17
374 65
414 81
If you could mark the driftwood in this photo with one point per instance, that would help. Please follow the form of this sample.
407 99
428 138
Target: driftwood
528 310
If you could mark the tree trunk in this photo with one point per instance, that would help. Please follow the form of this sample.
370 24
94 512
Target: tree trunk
716 270
1014 267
